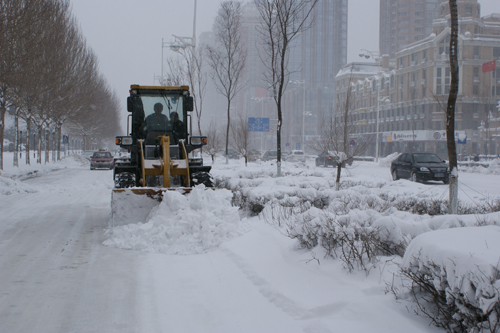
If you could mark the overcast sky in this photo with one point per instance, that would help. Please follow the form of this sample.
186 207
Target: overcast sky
126 35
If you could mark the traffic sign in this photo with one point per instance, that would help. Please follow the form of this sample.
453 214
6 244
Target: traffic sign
258 124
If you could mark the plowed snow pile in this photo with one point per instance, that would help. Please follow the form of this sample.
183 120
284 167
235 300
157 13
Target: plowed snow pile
182 224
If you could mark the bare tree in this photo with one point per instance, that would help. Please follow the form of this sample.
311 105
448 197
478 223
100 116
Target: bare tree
338 134
48 75
241 136
20 33
197 78
214 140
450 109
227 58
281 21
176 72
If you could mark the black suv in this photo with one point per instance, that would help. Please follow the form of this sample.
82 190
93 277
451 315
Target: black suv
326 158
420 167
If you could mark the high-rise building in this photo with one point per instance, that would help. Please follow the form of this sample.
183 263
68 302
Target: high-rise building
404 22
315 58
320 52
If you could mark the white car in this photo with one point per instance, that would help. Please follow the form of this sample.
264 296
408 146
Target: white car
296 156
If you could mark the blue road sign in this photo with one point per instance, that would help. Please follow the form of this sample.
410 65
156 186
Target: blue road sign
258 124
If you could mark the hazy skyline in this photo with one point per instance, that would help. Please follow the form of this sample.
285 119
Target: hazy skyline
126 36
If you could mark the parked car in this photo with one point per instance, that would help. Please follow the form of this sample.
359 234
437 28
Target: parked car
284 155
270 155
420 167
253 155
296 156
328 158
231 153
102 160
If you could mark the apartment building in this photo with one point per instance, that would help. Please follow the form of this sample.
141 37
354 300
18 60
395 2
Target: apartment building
411 98
403 22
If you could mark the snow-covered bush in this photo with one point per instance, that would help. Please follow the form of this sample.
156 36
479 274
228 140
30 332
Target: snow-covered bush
454 278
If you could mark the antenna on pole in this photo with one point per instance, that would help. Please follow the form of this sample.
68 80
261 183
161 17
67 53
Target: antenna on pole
194 24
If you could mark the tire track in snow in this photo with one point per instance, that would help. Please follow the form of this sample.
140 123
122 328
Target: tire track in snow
282 301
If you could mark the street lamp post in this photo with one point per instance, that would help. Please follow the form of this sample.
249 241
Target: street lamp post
179 43
303 83
376 56
261 100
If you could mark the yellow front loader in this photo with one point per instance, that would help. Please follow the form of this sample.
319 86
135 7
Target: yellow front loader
159 147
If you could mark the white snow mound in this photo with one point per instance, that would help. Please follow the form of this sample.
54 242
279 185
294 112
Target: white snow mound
182 224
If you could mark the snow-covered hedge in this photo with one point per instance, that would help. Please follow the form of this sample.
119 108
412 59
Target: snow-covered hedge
455 279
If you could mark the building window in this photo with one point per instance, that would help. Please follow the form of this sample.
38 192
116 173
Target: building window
447 80
468 10
476 52
475 89
444 45
496 52
439 82
414 58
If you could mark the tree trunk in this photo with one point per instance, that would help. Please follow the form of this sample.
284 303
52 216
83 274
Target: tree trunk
28 134
3 110
450 110
58 141
47 146
39 145
227 129
337 180
54 145
16 140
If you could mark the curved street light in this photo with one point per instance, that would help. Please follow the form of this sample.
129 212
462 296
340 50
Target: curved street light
375 55
179 43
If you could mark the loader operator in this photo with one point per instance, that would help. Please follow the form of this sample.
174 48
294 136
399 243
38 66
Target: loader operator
156 121
177 126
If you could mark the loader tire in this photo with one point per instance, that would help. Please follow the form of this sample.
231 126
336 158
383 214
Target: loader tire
201 177
124 180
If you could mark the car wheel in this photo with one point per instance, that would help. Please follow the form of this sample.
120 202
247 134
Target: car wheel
395 174
414 177
446 181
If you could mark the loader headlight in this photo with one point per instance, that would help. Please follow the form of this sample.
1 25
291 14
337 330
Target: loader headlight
198 140
124 140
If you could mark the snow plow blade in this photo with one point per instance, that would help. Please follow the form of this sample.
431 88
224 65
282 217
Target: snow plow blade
133 205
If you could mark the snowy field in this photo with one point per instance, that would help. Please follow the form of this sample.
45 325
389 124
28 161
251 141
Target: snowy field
198 264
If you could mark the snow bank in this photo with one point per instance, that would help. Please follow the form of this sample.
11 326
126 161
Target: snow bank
182 224
464 264
467 257
11 177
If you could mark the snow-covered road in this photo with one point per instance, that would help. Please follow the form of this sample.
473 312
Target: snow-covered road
57 276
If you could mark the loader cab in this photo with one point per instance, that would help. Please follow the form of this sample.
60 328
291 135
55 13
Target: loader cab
159 111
